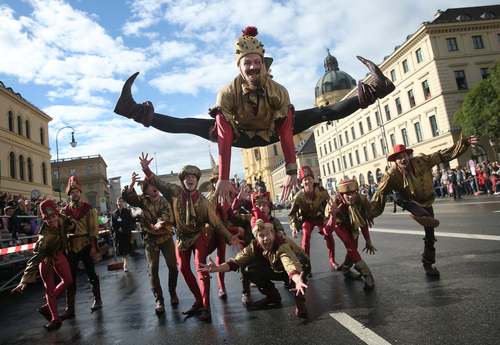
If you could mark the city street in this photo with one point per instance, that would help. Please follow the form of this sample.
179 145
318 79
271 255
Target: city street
463 307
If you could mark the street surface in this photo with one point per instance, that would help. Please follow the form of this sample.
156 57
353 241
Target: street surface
463 307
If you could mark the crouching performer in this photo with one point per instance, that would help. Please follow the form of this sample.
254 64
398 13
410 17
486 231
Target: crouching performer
157 221
270 257
49 258
349 213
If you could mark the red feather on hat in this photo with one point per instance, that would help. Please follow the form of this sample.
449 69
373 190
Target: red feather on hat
250 31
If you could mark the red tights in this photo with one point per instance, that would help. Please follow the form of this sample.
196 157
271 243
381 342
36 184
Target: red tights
350 243
307 228
52 292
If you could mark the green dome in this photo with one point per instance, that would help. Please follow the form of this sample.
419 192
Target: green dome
333 79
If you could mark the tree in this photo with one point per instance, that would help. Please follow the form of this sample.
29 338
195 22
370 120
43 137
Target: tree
480 110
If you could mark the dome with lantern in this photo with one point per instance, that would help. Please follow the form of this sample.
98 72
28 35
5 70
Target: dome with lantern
333 79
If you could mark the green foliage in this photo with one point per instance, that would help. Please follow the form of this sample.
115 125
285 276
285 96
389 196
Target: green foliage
480 110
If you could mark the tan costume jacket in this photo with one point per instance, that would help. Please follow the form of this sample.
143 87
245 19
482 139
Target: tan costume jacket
87 226
305 208
416 186
253 112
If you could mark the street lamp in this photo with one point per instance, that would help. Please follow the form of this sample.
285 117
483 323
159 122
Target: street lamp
73 144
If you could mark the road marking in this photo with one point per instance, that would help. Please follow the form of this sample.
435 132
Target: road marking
439 234
360 331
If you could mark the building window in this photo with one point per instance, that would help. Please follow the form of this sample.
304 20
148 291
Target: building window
324 149
460 79
335 143
30 170
346 134
377 118
406 68
11 121
426 89
477 42
338 164
333 167
418 132
418 55
256 154
345 162
411 98
434 126
340 140
365 153
392 138
350 159
484 72
393 75
328 167
356 153
324 170
369 123
382 145
72 172
361 129
330 145
399 108
275 150
12 164
374 150
19 125
42 137
353 133
452 44
404 134
320 151
21 167
28 129
44 173
387 112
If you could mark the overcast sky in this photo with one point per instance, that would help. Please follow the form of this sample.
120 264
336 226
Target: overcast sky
70 59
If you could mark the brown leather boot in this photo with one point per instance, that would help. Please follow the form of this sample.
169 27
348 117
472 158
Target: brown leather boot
126 105
379 87
362 267
429 259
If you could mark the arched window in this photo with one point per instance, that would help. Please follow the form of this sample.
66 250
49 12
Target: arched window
11 121
44 173
42 136
30 170
19 125
28 129
21 167
370 177
12 164
361 179
378 175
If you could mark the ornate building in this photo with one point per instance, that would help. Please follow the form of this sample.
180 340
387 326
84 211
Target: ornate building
432 71
24 146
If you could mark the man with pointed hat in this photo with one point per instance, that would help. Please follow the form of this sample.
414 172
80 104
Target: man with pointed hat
349 214
254 110
191 212
82 245
308 209
411 180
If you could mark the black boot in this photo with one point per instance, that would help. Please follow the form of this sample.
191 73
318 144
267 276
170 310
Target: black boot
69 311
379 87
273 298
205 315
126 106
300 306
172 287
195 309
362 267
429 259
160 305
45 311
53 325
96 290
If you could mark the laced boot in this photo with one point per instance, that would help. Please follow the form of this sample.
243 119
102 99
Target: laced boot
429 259
362 267
96 290
300 306
379 87
426 221
273 298
53 325
126 105
45 311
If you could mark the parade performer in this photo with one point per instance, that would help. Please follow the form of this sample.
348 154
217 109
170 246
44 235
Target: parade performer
122 224
49 258
270 257
308 212
254 110
82 245
157 222
411 178
192 211
348 214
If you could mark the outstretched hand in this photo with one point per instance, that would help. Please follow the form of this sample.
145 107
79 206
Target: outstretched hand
208 268
243 194
300 286
291 183
134 179
143 159
473 140
223 191
369 248
19 288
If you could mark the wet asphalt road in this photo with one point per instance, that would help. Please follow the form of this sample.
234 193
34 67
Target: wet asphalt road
463 307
